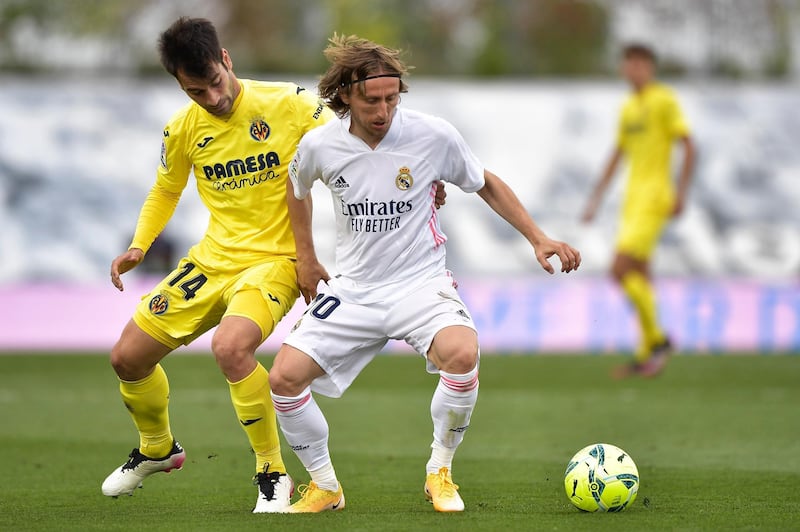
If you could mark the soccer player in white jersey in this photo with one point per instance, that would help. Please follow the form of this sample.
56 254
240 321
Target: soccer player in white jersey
237 137
380 162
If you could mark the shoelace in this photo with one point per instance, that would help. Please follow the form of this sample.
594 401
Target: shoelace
309 492
134 459
448 486
306 490
266 483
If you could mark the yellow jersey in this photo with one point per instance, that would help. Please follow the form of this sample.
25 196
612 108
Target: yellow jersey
240 164
650 122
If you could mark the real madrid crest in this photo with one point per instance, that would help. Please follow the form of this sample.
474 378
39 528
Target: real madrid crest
404 180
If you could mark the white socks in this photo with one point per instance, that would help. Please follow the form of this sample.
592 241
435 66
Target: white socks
306 431
451 409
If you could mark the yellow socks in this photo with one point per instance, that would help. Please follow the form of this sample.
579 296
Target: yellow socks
253 405
147 401
641 293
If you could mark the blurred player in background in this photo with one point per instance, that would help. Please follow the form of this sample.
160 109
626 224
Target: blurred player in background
380 162
237 137
650 122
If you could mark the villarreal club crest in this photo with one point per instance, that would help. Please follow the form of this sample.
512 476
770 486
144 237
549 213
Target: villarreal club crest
159 304
259 129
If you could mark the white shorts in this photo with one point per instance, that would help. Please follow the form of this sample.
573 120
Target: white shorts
343 336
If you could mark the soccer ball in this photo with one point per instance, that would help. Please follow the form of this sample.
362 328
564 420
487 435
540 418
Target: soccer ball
601 477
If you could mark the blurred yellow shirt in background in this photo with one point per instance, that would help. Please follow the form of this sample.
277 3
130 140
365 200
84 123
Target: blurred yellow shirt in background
650 122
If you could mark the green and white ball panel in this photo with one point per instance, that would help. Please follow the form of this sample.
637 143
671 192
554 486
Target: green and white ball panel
601 477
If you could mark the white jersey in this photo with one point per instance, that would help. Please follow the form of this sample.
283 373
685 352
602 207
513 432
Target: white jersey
386 223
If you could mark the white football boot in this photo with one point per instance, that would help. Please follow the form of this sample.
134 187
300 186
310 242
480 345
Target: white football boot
129 476
275 491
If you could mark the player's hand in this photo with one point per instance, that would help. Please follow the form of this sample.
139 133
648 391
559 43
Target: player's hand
441 195
124 263
309 274
570 257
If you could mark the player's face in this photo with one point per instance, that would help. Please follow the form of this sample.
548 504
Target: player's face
216 93
372 105
637 70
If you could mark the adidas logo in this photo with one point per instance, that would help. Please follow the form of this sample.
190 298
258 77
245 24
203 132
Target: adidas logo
341 183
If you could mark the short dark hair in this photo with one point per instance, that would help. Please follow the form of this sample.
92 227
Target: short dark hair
640 50
190 45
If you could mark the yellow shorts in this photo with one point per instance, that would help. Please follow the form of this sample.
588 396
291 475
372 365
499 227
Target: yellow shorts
639 235
189 301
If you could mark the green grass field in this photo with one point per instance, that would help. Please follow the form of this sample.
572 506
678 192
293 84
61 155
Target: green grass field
716 440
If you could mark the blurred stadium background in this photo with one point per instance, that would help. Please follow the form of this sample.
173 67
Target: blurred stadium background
533 87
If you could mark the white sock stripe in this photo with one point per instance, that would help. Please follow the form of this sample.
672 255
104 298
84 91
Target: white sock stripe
288 404
462 386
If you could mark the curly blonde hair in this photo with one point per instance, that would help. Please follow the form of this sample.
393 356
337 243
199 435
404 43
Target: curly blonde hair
354 60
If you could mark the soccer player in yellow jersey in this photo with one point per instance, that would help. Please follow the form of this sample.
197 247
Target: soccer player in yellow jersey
237 137
651 121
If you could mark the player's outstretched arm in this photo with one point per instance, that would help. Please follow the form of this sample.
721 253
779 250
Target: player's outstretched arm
602 184
504 202
124 263
685 178
158 208
153 217
309 270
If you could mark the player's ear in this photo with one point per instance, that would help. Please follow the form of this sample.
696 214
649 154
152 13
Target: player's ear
226 60
344 95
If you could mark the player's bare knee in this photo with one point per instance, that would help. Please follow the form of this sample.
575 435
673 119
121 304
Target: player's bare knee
118 361
276 382
281 384
126 365
234 359
292 372
460 360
